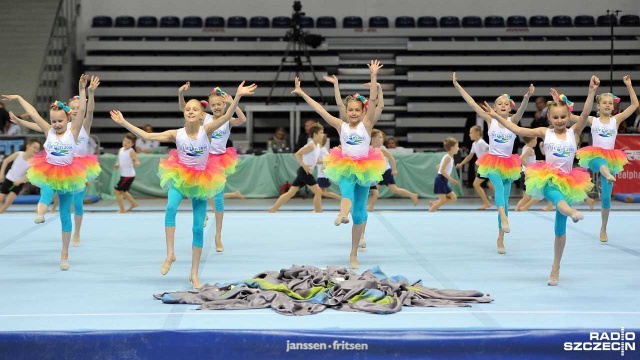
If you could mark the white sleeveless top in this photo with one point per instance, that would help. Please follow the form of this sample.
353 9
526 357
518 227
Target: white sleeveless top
604 135
355 142
479 147
386 159
125 162
500 139
449 165
82 143
193 152
311 158
558 153
60 150
219 137
529 159
323 152
18 168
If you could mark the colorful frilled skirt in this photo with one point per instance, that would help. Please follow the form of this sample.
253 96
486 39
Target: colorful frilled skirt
227 160
505 167
91 164
574 185
616 159
69 178
363 171
191 182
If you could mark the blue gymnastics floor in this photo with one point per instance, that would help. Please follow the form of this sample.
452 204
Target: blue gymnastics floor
109 288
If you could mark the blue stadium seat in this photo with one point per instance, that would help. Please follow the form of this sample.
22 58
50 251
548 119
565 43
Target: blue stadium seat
449 22
281 22
516 21
147 22
629 20
427 22
258 22
494 22
378 22
237 22
214 22
539 21
561 21
470 22
605 20
170 21
352 22
405 22
192 22
326 22
102 21
584 21
306 22
125 21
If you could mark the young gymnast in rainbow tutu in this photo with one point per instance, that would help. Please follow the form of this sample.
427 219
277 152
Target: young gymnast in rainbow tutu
499 164
56 168
189 171
223 156
601 157
555 178
354 165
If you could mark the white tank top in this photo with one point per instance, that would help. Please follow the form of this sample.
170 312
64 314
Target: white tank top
323 152
449 165
18 168
560 153
219 137
193 152
530 159
479 147
311 158
500 139
60 150
604 135
125 162
355 142
386 159
82 142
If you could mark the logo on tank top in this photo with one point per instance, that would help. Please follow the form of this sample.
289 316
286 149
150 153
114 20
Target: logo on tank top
59 149
80 140
559 150
603 132
194 150
353 139
500 137
217 135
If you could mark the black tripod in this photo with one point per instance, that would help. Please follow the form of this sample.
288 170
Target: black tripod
613 17
296 49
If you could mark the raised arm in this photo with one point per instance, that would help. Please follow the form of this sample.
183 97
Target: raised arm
33 113
336 91
28 124
369 118
470 100
169 135
634 102
91 105
581 122
78 121
216 123
518 130
181 90
330 119
523 106
241 118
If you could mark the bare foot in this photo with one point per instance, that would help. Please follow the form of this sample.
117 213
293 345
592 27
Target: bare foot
193 279
432 202
133 206
369 209
52 211
501 249
554 278
591 203
484 206
235 195
219 246
166 265
271 210
76 239
414 198
603 235
549 207
121 211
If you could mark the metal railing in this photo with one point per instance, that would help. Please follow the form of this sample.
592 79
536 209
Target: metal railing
60 48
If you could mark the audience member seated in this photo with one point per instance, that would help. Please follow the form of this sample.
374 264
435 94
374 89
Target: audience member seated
146 146
278 143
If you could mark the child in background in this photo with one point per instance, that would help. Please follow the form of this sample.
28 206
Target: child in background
527 157
15 179
441 186
127 159
478 148
323 182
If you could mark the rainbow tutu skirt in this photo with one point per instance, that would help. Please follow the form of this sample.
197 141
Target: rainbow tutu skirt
363 171
227 161
191 182
574 185
505 167
91 164
616 159
64 178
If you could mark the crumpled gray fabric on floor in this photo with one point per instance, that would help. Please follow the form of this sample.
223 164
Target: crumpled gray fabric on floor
305 290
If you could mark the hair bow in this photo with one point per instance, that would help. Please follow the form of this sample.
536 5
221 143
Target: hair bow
216 90
76 97
204 103
511 102
615 98
564 98
362 99
62 106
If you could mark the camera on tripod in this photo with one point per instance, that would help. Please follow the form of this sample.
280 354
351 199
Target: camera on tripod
295 17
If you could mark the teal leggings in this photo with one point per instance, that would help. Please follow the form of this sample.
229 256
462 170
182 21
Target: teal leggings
594 165
218 201
65 198
553 194
199 212
78 203
503 190
358 195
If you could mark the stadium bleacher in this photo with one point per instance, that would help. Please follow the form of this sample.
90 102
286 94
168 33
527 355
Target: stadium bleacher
143 61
